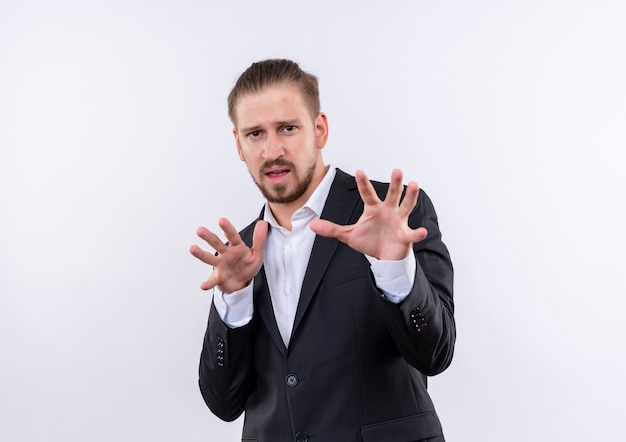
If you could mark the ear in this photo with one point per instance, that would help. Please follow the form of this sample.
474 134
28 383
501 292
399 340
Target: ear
239 151
321 130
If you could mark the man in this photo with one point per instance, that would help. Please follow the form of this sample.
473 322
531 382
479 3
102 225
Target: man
335 304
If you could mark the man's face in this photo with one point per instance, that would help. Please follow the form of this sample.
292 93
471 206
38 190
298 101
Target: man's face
280 142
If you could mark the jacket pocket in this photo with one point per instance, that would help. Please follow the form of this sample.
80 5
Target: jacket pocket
407 429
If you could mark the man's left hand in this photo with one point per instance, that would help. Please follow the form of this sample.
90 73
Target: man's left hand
382 231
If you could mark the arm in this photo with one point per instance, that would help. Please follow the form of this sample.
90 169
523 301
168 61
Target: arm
225 373
422 325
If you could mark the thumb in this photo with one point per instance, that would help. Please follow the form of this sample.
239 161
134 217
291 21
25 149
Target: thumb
326 228
418 234
259 236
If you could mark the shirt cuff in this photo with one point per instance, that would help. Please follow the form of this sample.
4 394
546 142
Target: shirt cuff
394 278
235 308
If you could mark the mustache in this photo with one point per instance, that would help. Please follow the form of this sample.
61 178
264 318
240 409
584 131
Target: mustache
277 162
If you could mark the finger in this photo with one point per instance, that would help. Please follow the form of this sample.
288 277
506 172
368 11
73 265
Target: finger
259 236
410 199
205 257
210 282
327 228
418 234
212 239
232 235
395 189
366 190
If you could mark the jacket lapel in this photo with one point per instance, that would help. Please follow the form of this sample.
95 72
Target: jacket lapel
265 310
339 207
262 299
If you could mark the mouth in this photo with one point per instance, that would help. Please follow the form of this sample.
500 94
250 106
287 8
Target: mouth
276 175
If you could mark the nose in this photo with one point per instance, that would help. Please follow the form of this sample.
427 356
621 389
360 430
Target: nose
273 148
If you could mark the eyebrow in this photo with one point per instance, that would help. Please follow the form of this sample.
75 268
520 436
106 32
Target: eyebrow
294 122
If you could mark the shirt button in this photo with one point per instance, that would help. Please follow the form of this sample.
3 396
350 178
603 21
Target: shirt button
291 381
301 436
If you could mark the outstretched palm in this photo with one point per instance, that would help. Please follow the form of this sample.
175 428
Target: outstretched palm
234 264
382 231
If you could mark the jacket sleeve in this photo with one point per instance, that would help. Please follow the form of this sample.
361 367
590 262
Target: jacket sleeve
226 374
423 324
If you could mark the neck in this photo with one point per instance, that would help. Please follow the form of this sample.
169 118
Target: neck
283 212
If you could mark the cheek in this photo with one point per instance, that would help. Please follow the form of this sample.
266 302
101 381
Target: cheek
253 162
245 153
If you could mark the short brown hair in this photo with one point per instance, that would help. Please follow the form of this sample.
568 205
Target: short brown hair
271 72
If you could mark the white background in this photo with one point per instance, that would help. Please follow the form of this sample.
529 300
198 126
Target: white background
115 146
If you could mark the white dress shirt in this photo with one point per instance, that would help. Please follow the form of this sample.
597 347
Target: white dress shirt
286 258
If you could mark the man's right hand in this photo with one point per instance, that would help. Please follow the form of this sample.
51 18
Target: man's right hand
235 264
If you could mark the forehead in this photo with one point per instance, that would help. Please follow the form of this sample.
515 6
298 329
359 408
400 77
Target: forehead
276 102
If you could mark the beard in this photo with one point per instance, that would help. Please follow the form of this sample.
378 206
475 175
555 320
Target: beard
280 193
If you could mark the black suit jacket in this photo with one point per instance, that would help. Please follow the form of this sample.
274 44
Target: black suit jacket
356 365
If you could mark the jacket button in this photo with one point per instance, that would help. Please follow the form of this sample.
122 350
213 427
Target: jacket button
301 436
220 351
292 381
417 319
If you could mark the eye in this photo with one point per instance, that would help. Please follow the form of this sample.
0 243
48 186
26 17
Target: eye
254 134
289 128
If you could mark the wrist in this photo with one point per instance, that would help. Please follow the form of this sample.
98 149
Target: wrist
229 289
